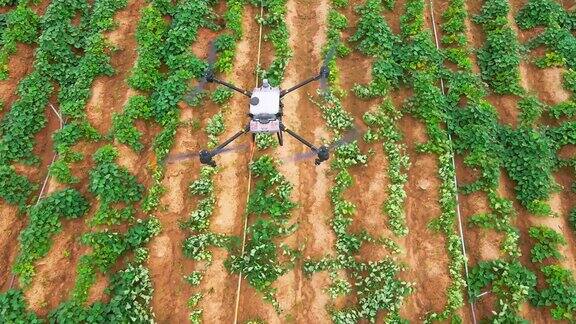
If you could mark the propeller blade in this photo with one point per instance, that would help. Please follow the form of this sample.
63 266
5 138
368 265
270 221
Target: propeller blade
212 55
191 155
323 85
192 95
325 70
329 55
235 148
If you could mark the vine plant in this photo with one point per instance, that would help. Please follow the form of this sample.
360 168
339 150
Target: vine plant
375 38
375 284
422 63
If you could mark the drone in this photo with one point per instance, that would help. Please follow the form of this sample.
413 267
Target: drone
265 109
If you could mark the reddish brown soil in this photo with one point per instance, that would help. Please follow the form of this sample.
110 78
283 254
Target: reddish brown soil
218 286
55 278
296 293
303 299
548 88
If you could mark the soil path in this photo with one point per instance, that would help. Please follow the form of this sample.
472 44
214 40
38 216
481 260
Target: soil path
168 264
425 250
231 182
54 280
295 293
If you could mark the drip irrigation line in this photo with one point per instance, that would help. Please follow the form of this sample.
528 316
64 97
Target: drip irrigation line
41 193
458 212
259 42
244 235
239 285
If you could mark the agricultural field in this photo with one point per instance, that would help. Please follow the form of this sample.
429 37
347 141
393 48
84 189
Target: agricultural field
455 201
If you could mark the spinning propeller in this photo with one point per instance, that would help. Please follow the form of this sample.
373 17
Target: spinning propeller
325 70
348 137
189 155
207 77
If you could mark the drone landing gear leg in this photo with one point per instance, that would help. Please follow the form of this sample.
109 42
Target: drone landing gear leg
207 157
322 151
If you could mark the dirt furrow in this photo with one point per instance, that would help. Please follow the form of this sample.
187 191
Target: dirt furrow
231 182
168 264
54 278
310 182
426 254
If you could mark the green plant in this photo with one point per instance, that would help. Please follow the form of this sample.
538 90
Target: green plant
130 294
61 171
214 128
21 25
572 219
499 59
13 308
511 282
375 38
123 128
278 36
377 289
385 119
15 188
531 109
265 141
542 13
561 44
528 158
454 35
547 241
560 293
260 263
106 249
111 182
44 223
150 32
194 278
221 95
423 63
372 281
73 133
569 80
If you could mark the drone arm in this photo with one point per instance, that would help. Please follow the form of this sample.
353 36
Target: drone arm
206 157
233 87
323 152
301 139
299 85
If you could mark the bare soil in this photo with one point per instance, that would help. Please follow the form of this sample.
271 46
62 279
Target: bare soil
303 299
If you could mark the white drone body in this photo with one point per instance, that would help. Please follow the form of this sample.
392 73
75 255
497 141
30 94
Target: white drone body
265 109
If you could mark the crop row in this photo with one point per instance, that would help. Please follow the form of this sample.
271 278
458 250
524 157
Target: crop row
277 35
164 90
527 154
56 61
35 239
475 127
197 225
130 289
560 44
20 25
374 284
375 38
